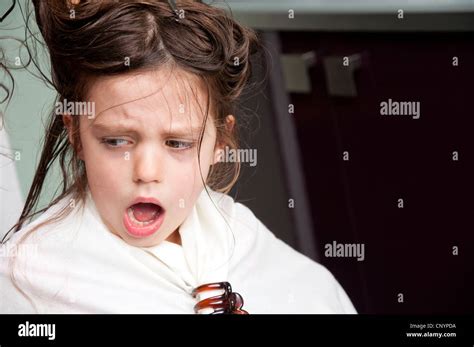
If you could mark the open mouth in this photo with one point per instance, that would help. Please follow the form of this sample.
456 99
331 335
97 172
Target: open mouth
143 218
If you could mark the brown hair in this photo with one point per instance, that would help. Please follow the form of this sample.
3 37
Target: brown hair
93 38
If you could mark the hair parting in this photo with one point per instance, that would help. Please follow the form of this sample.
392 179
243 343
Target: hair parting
90 39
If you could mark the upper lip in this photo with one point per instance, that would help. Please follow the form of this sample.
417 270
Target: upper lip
150 200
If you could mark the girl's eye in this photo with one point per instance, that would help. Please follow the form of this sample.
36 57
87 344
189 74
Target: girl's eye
114 142
182 145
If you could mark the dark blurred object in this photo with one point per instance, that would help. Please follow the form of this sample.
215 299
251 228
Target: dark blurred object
409 250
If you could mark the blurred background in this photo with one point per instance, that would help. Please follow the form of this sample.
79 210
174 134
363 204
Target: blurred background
330 166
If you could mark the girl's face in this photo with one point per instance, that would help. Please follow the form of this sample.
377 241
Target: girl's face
142 148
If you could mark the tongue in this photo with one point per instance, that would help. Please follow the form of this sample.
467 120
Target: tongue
144 212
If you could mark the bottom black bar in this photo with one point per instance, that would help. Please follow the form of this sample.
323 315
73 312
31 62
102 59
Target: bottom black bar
67 330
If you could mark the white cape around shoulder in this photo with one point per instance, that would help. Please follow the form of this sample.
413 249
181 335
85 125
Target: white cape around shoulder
77 265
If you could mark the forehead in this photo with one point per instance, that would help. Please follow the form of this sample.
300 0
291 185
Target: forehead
170 96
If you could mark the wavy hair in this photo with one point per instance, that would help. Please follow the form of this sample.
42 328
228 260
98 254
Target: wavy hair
89 39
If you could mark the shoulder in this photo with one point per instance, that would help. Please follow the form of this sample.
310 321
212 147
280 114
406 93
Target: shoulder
50 225
248 229
311 287
239 216
34 259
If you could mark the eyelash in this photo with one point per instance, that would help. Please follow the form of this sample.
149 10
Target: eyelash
187 145
108 142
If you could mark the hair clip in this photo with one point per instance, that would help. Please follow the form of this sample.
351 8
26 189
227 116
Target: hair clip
227 303
173 6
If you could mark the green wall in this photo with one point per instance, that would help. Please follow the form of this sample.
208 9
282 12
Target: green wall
32 100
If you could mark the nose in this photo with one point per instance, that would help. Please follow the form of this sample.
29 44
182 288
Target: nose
148 164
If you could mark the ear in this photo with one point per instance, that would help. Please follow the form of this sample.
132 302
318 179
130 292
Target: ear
67 120
229 124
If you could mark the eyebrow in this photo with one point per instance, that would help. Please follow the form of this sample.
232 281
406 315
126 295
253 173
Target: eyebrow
186 130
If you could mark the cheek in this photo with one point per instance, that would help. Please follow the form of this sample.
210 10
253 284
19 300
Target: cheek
203 164
103 169
185 179
208 152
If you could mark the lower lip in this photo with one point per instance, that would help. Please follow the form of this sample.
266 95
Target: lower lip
144 231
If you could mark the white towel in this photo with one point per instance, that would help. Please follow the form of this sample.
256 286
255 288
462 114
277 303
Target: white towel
78 266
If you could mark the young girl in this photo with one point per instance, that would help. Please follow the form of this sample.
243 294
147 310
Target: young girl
147 93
